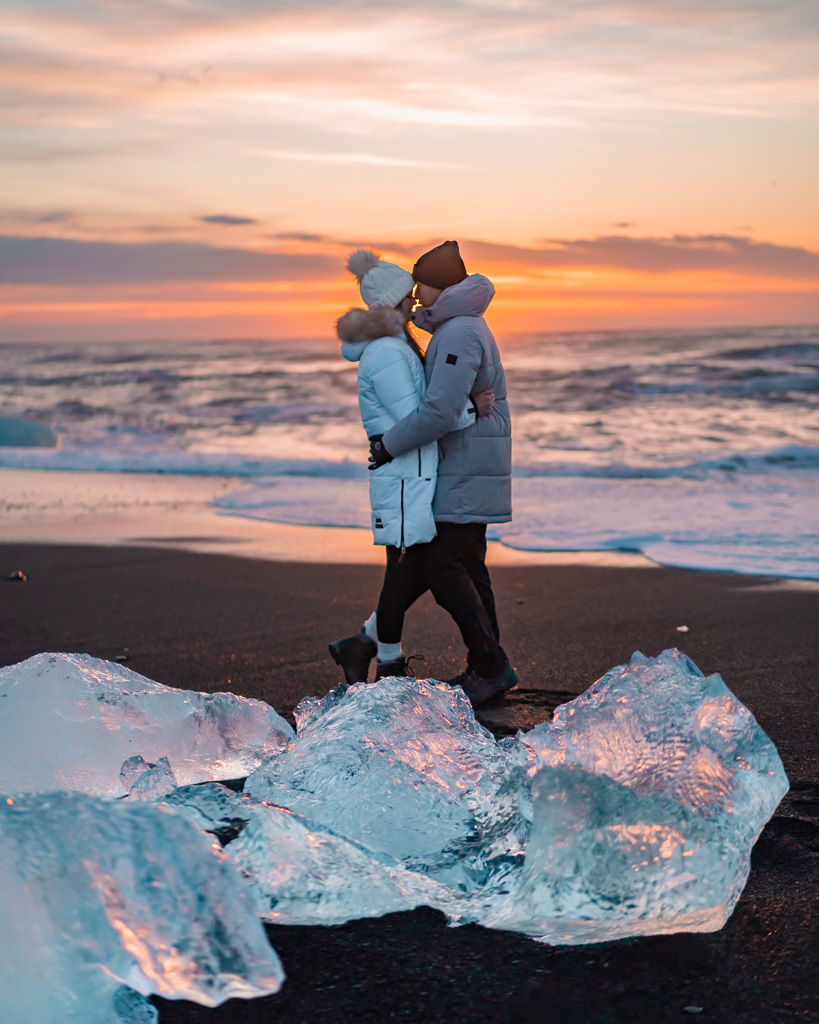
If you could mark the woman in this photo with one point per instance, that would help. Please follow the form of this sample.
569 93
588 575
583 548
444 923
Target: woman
391 384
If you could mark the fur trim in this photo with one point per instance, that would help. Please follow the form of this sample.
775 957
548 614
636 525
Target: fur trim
361 261
369 324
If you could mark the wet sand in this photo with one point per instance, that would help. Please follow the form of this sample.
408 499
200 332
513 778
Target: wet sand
260 628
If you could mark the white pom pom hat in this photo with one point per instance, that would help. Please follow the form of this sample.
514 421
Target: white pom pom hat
382 284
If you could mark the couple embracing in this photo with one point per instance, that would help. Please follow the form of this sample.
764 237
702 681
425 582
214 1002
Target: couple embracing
440 455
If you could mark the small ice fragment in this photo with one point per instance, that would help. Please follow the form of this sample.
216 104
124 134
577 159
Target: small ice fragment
212 808
131 770
692 1009
69 721
155 782
17 577
682 629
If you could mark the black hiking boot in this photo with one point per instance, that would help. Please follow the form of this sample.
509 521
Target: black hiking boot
482 689
354 654
398 667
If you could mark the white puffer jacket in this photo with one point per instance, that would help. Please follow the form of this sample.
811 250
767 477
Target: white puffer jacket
391 385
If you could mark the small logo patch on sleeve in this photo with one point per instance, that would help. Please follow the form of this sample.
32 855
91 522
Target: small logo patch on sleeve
452 359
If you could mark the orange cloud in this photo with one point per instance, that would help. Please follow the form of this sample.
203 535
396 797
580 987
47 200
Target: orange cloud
52 288
309 309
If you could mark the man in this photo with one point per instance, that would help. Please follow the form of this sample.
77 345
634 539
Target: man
474 472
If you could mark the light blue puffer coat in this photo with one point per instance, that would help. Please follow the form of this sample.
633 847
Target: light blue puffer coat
391 385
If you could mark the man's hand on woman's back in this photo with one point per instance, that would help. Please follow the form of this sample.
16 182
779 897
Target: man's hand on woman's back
484 402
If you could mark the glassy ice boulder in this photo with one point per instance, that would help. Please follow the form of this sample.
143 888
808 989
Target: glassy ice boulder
97 895
402 768
647 793
69 721
659 726
304 873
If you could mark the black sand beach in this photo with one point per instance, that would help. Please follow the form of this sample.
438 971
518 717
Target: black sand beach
261 629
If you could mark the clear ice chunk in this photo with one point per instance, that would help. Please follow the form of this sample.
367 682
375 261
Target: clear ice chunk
648 792
68 721
304 873
97 895
402 768
603 863
39 982
659 726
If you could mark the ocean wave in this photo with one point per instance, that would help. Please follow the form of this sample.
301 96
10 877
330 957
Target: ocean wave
796 353
162 459
89 458
757 384
760 525
785 457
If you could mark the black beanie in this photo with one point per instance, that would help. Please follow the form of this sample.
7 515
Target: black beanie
441 267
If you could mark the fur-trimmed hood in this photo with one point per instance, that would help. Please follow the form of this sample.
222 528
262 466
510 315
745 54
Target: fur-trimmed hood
369 324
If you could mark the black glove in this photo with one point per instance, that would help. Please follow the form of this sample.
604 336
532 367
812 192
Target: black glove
379 456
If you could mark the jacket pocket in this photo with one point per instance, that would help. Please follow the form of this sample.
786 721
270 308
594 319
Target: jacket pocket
385 502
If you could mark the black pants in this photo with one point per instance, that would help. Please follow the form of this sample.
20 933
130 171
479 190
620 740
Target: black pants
405 579
460 583
453 567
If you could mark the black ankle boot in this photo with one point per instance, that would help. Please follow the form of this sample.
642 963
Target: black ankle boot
385 669
482 689
354 654
398 667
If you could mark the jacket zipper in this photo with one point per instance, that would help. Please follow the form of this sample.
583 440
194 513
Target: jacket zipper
403 547
419 462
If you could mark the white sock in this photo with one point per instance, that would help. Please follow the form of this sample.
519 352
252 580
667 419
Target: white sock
370 629
389 652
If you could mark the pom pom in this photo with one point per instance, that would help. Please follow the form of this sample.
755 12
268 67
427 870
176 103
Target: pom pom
361 261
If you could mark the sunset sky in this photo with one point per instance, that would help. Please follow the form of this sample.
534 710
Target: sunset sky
199 168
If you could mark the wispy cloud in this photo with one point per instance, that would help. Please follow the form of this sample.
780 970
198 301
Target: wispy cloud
513 64
510 121
656 255
647 255
35 217
371 159
59 261
299 236
227 220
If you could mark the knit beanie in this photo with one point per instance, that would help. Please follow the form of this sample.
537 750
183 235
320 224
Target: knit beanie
382 284
441 267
